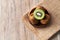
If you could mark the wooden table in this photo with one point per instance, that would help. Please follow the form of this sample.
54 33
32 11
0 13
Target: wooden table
11 24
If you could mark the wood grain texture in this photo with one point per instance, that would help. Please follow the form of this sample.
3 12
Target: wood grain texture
11 25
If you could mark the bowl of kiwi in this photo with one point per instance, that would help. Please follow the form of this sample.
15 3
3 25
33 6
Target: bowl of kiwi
39 16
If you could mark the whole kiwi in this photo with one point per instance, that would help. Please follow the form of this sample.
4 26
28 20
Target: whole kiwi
32 19
46 19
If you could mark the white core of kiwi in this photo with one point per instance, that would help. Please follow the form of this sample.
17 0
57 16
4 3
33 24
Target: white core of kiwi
38 14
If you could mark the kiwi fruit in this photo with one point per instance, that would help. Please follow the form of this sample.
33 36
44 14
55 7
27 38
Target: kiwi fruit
32 19
46 19
39 14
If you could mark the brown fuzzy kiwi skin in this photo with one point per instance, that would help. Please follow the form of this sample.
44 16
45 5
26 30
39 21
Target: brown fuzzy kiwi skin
32 19
46 19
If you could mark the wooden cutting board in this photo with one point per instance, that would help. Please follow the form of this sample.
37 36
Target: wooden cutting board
53 7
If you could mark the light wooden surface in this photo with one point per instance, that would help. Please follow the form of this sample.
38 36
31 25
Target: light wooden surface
11 25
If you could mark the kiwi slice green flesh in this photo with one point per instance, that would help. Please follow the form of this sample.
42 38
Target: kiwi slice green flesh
39 14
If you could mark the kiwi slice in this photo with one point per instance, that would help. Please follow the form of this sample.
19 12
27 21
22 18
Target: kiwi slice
39 14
